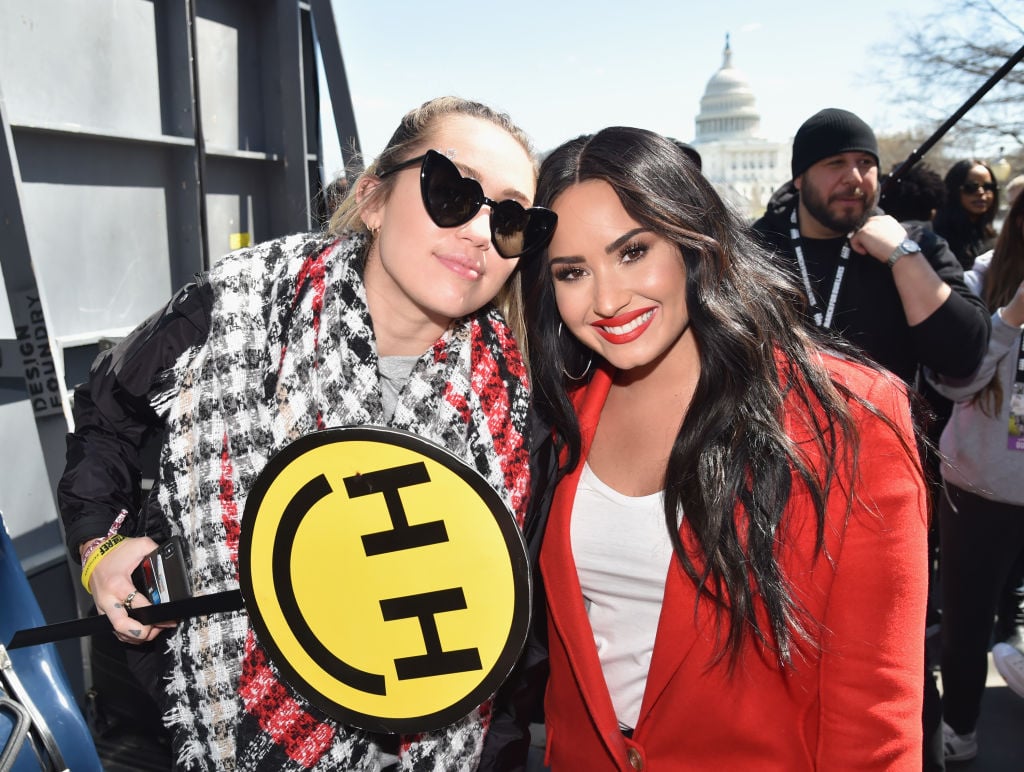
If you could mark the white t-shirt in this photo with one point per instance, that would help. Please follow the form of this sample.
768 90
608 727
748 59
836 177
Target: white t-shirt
622 551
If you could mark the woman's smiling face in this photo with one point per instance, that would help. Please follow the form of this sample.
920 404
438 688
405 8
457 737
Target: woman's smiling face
620 287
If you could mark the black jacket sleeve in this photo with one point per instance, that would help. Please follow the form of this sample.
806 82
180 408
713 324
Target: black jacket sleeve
114 417
953 340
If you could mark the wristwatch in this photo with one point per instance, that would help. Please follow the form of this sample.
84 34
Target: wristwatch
906 247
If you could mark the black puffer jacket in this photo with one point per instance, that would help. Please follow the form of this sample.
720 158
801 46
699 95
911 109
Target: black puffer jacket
115 420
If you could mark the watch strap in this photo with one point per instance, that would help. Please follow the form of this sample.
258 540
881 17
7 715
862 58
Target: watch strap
906 247
896 255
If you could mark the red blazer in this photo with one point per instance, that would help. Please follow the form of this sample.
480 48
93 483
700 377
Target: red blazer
854 705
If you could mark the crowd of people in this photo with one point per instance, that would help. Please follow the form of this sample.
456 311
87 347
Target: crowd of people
714 434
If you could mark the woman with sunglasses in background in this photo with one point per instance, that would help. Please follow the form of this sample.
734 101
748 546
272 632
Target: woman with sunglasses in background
404 315
734 553
981 511
966 216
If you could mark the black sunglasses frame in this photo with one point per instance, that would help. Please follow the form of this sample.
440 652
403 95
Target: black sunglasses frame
533 226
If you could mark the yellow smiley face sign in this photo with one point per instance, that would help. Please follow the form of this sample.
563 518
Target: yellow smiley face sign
386 579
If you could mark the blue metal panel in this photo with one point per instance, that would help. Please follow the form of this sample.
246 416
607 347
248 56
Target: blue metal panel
39 670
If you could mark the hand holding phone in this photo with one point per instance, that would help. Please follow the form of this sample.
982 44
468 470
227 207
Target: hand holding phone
162 575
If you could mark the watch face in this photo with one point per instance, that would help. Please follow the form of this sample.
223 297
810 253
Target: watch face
909 246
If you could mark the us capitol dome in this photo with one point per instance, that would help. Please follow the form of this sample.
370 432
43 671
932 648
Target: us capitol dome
745 167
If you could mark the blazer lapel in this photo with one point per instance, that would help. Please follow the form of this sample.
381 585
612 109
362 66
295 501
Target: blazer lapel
678 627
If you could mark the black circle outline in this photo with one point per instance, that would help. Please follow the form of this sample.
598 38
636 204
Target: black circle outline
514 542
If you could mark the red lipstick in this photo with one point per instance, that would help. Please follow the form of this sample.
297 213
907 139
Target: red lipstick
625 327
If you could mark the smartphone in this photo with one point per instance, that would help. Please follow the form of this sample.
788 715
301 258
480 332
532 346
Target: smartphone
162 574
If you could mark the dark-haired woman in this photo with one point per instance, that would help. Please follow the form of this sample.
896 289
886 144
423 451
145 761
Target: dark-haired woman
966 216
394 317
734 555
981 514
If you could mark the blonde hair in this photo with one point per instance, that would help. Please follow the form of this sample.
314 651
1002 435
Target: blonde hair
412 134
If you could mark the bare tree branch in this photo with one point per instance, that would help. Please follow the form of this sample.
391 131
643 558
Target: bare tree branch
949 55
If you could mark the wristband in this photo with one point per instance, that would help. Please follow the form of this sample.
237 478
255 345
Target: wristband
114 528
97 555
118 522
92 545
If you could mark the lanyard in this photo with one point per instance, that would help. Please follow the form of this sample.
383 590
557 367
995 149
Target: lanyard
1015 439
833 295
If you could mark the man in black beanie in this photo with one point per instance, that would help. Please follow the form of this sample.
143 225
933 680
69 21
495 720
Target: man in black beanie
898 295
896 291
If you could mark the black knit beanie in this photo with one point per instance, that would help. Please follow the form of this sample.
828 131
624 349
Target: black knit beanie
830 132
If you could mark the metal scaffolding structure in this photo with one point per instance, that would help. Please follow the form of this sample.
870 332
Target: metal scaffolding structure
141 141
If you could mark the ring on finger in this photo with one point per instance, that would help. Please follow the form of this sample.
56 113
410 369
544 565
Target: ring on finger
129 599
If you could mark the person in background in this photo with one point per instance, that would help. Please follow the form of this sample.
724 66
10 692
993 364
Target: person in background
1009 662
966 217
981 515
1013 189
897 292
900 295
734 554
915 196
334 194
913 200
403 314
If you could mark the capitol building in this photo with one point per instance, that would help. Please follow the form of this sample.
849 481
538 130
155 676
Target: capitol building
744 167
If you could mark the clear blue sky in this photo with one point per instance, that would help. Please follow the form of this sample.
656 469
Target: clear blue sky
565 68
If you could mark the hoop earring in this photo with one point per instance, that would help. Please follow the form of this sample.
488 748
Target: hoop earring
586 369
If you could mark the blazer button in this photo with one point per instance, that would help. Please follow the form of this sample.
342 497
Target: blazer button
635 759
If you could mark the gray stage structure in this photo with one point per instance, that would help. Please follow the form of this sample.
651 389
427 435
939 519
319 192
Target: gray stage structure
141 140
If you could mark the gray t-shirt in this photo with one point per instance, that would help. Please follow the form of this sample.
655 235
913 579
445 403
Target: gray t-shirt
394 373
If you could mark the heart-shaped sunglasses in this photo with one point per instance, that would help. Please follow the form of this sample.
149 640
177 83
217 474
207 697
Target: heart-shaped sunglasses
452 200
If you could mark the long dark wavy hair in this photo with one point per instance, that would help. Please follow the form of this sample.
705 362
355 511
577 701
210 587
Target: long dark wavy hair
1004 275
966 238
756 352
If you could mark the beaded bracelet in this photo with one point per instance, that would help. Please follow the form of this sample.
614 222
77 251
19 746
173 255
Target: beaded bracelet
114 528
98 553
92 546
